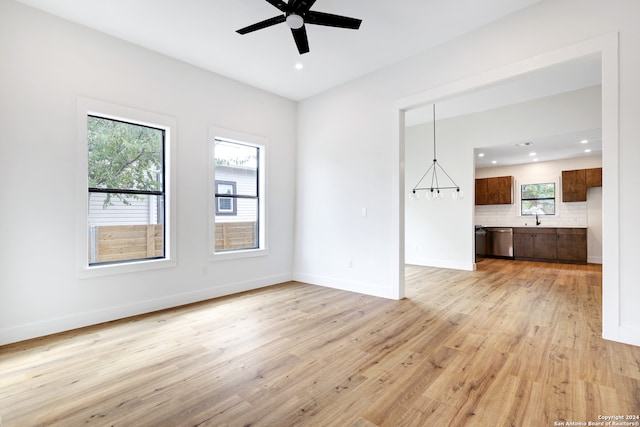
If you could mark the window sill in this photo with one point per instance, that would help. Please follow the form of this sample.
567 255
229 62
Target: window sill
225 256
130 267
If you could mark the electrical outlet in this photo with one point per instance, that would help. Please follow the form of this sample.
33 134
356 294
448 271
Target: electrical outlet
350 263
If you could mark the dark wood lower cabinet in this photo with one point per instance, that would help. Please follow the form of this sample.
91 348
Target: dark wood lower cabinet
523 245
566 245
571 245
534 244
546 244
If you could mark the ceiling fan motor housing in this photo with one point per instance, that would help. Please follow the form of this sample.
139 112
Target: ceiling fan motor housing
294 21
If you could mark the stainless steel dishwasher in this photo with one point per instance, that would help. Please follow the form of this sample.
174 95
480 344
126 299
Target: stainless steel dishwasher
500 242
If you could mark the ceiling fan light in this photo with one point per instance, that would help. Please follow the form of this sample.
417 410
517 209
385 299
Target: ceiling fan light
295 21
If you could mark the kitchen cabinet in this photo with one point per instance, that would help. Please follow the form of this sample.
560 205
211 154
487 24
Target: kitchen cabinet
594 177
571 245
482 191
494 191
574 186
501 190
534 243
566 245
576 182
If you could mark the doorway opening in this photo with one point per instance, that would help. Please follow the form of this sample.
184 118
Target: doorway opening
606 48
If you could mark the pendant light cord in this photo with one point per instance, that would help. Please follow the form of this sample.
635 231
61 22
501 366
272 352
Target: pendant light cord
434 132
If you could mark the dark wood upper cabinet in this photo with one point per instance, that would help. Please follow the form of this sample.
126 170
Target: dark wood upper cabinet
494 191
482 191
576 182
594 177
501 190
574 186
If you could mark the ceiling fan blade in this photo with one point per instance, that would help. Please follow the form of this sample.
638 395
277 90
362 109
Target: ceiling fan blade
263 24
330 20
279 4
302 42
300 6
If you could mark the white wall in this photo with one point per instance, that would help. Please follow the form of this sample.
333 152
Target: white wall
427 242
346 154
46 64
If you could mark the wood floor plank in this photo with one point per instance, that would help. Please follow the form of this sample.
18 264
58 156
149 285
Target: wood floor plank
513 343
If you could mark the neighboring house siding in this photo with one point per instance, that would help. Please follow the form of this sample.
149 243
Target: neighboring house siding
143 211
245 179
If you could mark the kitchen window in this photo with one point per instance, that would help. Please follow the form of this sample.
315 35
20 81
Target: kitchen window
538 199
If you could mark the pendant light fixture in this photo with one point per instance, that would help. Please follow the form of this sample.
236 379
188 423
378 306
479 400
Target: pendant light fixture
434 190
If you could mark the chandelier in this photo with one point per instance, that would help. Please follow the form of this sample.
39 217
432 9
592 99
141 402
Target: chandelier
431 180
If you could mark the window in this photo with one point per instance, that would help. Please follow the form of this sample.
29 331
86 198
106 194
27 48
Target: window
237 225
538 199
128 214
126 191
226 205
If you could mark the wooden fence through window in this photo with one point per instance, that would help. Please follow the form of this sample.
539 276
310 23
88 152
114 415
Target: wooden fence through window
236 235
109 243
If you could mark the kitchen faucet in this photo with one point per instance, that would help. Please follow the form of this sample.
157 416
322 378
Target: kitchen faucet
537 220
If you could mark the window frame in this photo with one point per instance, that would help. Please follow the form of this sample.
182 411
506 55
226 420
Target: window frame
89 107
216 133
540 181
234 206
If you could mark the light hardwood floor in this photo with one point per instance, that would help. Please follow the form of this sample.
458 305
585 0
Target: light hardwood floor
511 344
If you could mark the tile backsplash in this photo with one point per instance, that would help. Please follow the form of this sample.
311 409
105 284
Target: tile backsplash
567 215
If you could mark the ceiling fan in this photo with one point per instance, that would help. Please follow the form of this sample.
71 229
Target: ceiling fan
296 14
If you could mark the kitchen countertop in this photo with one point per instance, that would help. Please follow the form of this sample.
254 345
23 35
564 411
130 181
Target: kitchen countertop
533 226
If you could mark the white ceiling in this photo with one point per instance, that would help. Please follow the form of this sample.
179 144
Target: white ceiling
542 149
202 33
566 77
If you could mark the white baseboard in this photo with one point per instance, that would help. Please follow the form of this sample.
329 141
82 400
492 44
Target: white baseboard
346 285
624 334
594 260
440 263
80 320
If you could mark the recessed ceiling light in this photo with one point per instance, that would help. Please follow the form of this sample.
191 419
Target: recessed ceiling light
480 154
588 150
532 154
584 141
535 160
299 66
494 161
